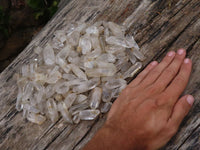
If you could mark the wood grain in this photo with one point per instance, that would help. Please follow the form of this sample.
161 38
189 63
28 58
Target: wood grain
158 26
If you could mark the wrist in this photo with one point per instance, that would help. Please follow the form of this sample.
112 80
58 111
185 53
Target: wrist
116 138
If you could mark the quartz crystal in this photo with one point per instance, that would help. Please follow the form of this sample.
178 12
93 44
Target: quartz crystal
52 110
48 54
88 114
78 73
106 107
95 98
36 118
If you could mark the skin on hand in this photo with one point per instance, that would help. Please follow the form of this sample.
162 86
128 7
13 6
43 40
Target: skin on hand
149 111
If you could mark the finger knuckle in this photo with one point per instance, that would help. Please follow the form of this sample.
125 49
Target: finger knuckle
180 79
163 99
152 90
156 71
171 71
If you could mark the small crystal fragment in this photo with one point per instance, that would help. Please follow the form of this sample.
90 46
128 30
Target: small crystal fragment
36 118
54 76
116 29
110 58
52 110
79 107
85 45
106 95
138 54
106 107
80 99
113 40
92 30
48 55
69 77
114 83
132 70
64 112
69 100
88 114
131 56
76 119
109 70
95 98
27 90
61 87
78 72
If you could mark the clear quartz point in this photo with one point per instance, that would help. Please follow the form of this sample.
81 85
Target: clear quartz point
52 110
106 107
132 70
106 95
64 112
114 83
95 100
36 118
48 54
85 45
80 99
61 87
76 119
116 29
131 56
69 100
79 107
88 114
78 72
108 70
131 43
138 54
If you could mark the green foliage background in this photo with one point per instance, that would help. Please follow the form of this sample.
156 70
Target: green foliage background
4 22
44 9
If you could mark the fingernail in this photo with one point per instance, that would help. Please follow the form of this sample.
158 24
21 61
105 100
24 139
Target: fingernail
171 53
154 63
190 99
180 51
186 61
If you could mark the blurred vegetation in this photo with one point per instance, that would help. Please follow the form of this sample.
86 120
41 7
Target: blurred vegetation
43 9
4 22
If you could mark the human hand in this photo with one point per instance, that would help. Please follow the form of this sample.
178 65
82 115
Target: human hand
149 111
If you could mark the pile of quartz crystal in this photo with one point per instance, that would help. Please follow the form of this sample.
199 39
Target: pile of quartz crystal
77 73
